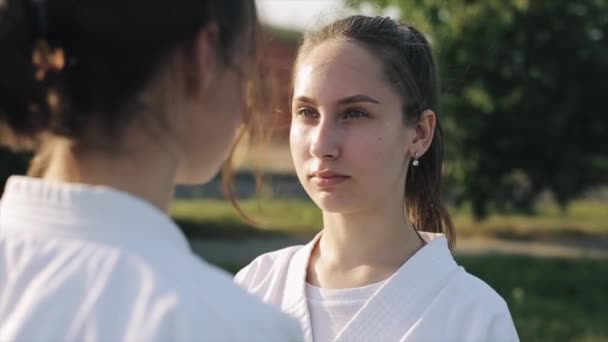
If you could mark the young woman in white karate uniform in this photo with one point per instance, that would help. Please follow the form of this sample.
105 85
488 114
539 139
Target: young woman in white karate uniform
367 147
121 101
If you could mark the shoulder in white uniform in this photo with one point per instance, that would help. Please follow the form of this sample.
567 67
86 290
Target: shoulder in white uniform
91 263
429 298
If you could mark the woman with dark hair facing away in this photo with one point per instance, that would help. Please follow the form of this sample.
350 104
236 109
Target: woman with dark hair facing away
120 101
367 147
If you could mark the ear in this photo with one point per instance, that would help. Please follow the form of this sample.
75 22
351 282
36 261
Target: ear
424 132
205 56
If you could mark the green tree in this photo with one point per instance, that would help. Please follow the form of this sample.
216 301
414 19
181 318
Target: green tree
525 94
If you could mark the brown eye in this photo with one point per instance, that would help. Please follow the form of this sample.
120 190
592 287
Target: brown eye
354 114
306 112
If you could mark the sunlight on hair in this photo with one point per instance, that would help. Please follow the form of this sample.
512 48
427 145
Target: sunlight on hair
45 58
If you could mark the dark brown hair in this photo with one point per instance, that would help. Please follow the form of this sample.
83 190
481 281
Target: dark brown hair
70 64
410 68
67 64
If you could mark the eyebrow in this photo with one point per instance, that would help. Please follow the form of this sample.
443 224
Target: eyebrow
346 100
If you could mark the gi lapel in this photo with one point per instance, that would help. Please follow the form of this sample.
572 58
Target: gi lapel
394 308
294 302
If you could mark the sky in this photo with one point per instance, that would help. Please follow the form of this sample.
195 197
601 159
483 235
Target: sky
303 14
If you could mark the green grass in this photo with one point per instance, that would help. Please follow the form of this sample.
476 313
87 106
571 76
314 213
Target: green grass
582 218
549 299
276 216
273 216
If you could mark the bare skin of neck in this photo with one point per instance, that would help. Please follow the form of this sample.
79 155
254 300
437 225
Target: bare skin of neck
362 248
144 170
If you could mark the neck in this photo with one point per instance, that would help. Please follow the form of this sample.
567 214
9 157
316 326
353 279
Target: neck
142 172
363 247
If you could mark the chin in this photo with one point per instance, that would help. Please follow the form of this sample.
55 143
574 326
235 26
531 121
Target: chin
331 203
195 177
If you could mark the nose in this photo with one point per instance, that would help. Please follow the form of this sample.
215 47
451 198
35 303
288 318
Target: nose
325 141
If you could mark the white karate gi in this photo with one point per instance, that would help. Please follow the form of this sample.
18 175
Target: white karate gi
430 298
83 263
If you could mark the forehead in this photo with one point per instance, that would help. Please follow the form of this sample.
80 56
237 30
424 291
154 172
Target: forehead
339 66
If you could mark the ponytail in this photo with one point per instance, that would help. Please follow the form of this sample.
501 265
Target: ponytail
24 105
423 192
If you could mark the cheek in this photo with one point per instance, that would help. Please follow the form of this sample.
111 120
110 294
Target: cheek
364 145
298 141
234 105
375 151
214 124
224 101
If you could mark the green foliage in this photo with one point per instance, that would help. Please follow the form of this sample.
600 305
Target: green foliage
283 34
524 95
273 216
549 299
582 219
215 218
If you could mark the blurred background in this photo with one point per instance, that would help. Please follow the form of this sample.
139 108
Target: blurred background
524 108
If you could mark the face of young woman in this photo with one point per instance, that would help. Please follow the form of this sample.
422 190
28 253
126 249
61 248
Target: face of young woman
213 117
348 139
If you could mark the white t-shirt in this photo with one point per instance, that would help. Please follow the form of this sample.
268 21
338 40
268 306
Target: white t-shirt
331 309
84 263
